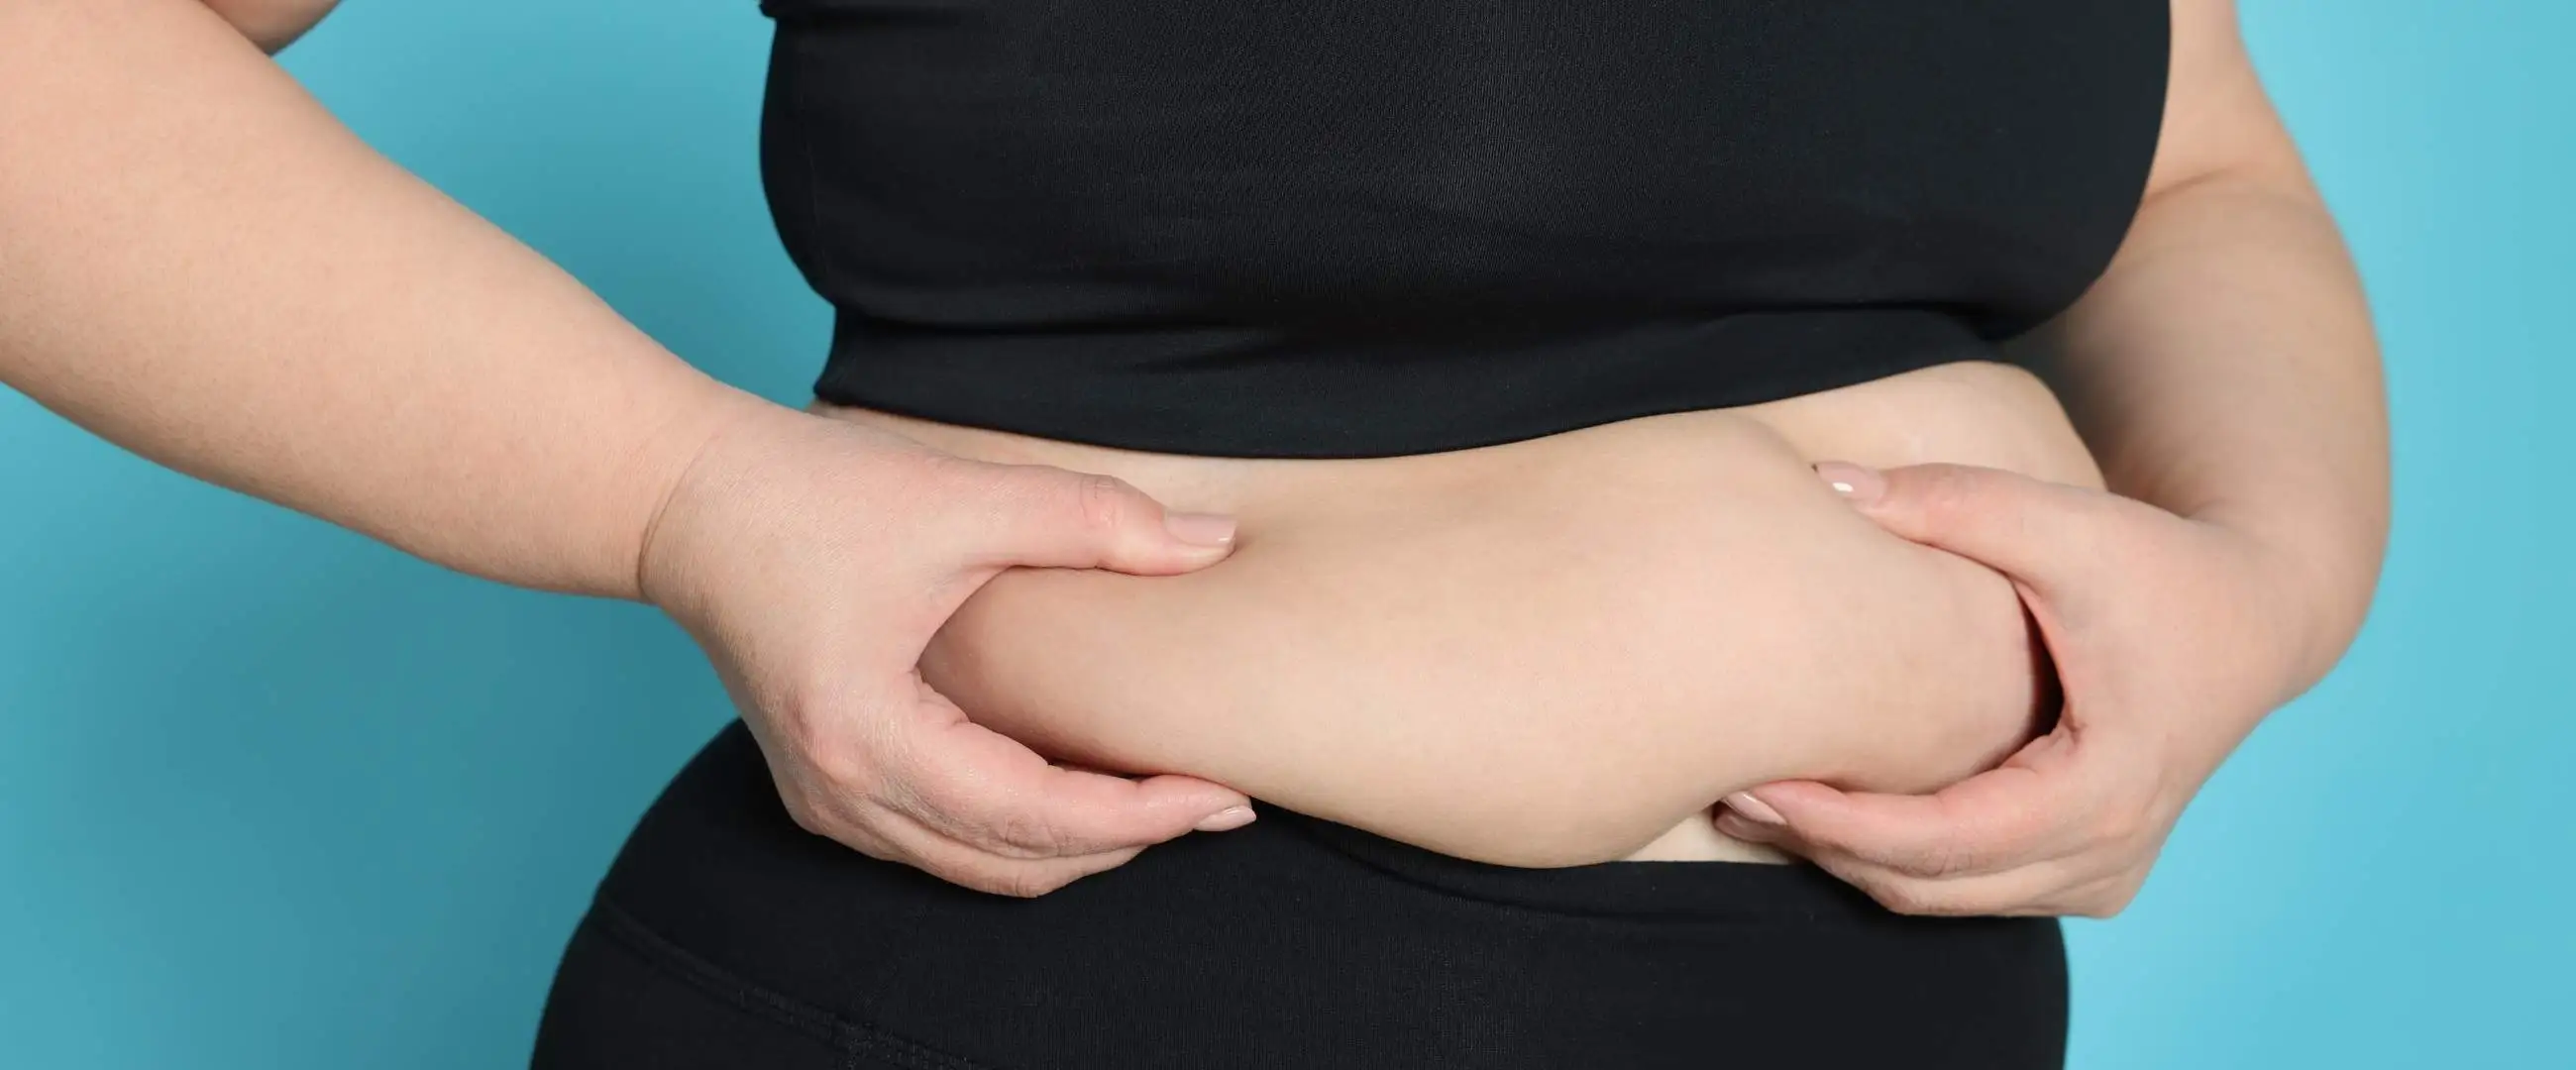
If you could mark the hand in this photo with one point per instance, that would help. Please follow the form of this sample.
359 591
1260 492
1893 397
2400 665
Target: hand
2172 638
814 559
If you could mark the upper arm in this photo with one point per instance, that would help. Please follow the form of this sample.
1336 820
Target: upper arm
2218 120
272 24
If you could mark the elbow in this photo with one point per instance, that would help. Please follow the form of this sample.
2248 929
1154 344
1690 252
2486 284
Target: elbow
272 24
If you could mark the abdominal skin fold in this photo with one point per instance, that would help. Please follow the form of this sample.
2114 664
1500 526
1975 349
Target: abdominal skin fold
1541 655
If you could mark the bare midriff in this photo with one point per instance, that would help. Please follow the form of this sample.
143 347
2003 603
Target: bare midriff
1548 652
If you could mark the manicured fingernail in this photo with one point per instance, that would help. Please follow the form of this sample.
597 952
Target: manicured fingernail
1754 810
1861 485
1200 529
1232 817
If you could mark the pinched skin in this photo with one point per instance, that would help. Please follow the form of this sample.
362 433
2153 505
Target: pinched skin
1542 653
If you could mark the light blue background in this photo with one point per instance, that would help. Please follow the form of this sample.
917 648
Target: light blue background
272 796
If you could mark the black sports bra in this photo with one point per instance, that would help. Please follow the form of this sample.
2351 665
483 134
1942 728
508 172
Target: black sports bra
1335 228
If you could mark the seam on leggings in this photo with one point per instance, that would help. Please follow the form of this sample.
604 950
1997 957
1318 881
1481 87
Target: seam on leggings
852 1038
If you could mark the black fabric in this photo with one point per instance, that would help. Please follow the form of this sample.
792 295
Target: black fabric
1355 227
725 936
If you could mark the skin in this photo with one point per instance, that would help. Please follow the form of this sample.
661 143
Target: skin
2225 373
2222 371
1544 653
329 333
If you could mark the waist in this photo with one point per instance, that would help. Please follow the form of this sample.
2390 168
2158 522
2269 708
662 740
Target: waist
1979 412
1568 607
1348 392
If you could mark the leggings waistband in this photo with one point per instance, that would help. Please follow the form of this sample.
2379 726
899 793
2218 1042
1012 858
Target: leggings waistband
1643 891
1298 943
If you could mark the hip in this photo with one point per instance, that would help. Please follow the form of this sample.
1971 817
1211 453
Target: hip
1294 942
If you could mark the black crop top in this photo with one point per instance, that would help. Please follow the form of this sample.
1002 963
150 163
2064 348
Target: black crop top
1336 228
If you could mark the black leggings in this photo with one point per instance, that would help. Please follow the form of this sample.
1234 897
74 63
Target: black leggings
725 936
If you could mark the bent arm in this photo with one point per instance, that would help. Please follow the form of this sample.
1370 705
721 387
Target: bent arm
2224 368
198 263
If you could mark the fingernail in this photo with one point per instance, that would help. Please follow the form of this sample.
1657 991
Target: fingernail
1733 826
1860 485
1232 817
1754 810
1200 529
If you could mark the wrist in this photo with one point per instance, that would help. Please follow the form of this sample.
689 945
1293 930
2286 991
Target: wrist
753 480
668 463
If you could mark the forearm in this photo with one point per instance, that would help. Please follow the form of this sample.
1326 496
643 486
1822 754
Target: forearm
198 263
2225 369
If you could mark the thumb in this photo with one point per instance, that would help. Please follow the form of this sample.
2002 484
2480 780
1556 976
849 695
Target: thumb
1060 519
2022 527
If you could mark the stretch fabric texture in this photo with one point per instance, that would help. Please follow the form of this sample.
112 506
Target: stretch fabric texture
1350 228
1335 228
726 936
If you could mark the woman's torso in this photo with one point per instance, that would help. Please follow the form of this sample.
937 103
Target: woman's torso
1458 649
1508 330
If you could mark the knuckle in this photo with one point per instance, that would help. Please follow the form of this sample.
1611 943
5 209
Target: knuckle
1907 897
1028 834
1942 494
813 819
941 488
925 473
1944 860
1100 503
2118 828
1028 882
837 768
1947 852
2110 901
2120 824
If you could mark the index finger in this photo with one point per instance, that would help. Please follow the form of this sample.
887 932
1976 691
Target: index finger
1997 820
987 790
